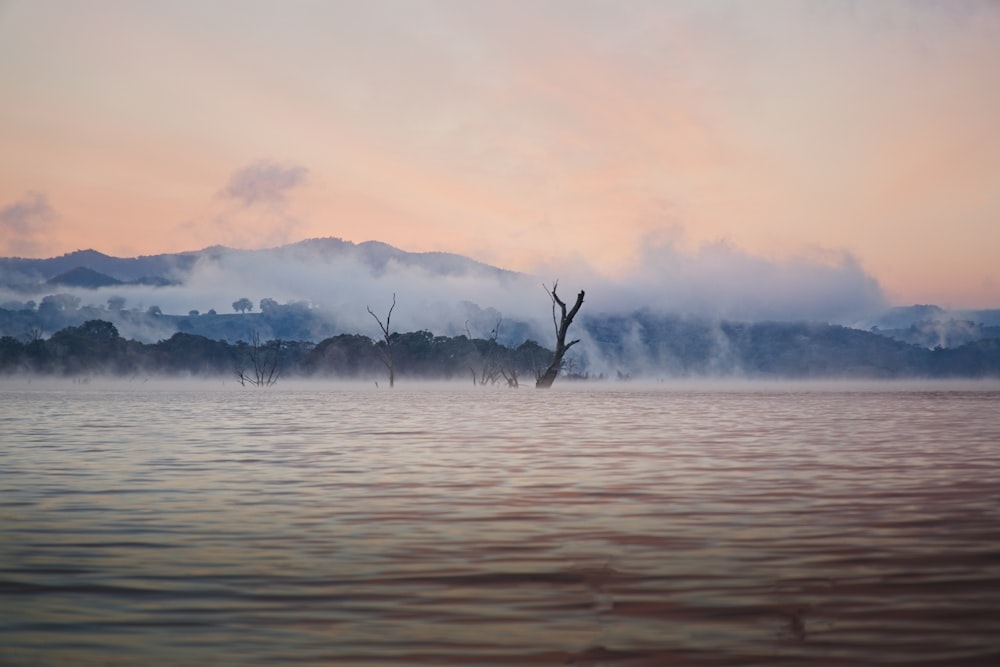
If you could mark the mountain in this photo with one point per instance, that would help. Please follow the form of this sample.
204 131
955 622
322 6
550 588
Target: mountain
21 272
81 276
92 269
931 326
693 347
903 317
380 256
319 287
641 345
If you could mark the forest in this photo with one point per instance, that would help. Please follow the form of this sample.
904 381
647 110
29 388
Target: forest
642 346
96 347
73 333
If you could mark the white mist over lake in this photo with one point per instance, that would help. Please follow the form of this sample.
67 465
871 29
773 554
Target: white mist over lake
170 523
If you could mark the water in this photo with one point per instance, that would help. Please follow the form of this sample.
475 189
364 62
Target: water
158 524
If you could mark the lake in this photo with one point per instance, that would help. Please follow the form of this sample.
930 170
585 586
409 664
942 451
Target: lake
168 523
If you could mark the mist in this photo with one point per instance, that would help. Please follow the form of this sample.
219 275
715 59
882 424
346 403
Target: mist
721 281
716 281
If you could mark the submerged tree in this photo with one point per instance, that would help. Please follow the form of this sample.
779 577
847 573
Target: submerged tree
486 355
263 359
561 324
386 353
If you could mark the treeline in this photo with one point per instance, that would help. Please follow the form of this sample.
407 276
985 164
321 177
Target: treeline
96 347
640 345
292 321
676 346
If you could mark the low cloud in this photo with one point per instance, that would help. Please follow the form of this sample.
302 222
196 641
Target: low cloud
716 282
264 182
344 287
722 281
25 222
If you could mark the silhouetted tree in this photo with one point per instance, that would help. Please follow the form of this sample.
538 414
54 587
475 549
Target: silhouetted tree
489 358
347 355
386 352
60 302
94 345
263 358
11 353
565 318
242 305
188 353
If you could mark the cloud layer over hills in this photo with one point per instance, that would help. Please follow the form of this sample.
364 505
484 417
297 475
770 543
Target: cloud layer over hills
717 281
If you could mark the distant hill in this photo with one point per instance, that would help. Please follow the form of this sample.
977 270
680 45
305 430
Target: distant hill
21 272
92 269
640 345
81 276
931 326
30 282
902 317
685 347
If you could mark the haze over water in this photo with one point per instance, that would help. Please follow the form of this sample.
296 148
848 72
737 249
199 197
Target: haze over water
595 524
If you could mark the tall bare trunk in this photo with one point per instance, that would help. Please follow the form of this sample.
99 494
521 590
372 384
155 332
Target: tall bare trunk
561 324
386 355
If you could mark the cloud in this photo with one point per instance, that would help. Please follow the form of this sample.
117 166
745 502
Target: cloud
264 182
24 222
343 288
723 281
252 210
718 281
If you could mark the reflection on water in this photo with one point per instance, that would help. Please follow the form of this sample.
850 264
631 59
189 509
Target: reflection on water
690 526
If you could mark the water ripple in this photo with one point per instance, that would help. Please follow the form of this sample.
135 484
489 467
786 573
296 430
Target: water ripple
436 526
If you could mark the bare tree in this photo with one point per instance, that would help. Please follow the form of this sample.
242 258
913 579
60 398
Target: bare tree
264 361
510 376
491 370
561 324
386 354
31 335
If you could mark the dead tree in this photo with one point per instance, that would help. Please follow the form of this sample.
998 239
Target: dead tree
264 359
511 377
386 354
491 369
561 324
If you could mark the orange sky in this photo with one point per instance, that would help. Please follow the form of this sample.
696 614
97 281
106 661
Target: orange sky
528 135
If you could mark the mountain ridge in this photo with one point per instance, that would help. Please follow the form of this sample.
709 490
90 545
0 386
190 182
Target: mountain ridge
19 272
89 269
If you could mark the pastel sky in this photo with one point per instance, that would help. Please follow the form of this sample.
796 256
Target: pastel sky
530 134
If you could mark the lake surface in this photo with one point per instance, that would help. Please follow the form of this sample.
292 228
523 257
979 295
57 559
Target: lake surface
599 524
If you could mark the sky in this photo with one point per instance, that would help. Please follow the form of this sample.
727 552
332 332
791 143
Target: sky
645 142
